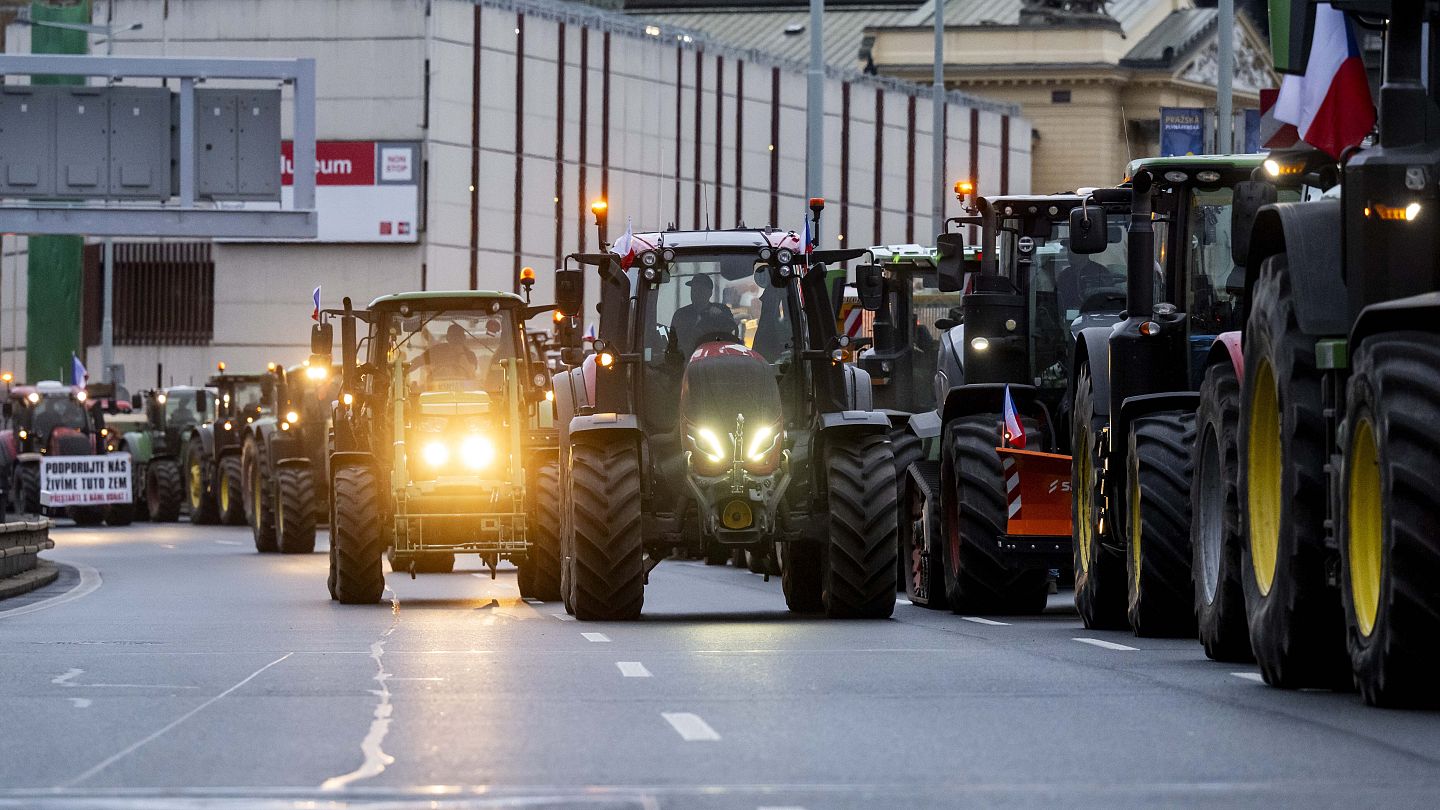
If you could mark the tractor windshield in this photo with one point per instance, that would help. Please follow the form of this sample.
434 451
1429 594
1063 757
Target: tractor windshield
248 399
1217 284
185 408
455 349
58 411
713 297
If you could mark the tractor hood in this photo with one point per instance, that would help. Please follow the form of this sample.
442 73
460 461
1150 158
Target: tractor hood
454 403
726 380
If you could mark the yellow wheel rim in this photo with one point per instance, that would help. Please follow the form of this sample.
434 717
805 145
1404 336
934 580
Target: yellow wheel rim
1366 524
1264 470
224 493
1085 499
195 485
1135 528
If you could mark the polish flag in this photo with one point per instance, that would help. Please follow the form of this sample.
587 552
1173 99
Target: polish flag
625 246
1014 431
1330 104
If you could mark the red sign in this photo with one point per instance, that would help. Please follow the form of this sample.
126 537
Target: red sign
337 163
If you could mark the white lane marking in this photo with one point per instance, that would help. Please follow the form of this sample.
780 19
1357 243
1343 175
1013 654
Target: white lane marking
80 703
596 637
632 669
374 759
900 601
167 545
393 679
564 617
985 621
1250 676
690 727
530 600
89 581
133 747
228 542
64 680
1108 645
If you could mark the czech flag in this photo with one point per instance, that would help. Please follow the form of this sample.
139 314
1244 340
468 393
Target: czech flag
1330 104
78 374
315 299
1014 431
625 246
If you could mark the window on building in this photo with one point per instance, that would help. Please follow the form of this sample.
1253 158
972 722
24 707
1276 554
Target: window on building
164 293
1059 96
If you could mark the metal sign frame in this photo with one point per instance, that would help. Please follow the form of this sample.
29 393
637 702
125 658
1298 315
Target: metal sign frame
185 218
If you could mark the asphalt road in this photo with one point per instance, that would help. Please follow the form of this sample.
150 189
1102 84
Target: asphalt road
174 667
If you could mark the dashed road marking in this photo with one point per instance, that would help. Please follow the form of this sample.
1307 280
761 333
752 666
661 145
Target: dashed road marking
1250 676
564 617
1108 645
80 703
985 621
903 602
530 600
632 669
64 680
228 542
596 637
690 727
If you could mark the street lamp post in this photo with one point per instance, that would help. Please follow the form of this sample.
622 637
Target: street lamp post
815 105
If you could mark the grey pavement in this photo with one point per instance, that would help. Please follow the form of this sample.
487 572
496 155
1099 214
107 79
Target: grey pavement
171 666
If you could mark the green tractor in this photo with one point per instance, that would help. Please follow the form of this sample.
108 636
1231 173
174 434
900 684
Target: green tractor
441 442
156 447
283 459
215 479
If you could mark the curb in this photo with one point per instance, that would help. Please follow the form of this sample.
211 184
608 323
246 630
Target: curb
42 574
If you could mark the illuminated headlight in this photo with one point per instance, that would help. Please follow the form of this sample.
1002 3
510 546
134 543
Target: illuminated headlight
24 434
80 395
292 416
229 425
34 398
980 344
160 398
761 444
435 453
709 444
1272 167
317 372
1412 211
477 452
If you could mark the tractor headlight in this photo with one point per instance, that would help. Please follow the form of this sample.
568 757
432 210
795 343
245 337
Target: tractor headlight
435 453
292 417
760 444
708 443
477 452
317 372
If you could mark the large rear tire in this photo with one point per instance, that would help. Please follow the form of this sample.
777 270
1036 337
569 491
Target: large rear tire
1296 623
609 564
908 449
1215 524
541 570
86 515
975 517
1161 594
360 537
802 577
259 506
164 490
231 497
1099 565
860 577
295 517
1389 550
27 487
201 492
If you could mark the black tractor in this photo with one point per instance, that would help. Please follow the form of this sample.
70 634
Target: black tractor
283 459
157 447
212 455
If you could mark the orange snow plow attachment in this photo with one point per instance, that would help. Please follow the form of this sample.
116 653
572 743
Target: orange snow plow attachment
1037 493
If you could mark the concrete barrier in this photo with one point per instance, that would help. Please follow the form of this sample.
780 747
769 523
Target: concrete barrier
20 541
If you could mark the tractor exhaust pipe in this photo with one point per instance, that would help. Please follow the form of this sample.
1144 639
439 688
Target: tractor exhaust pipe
347 347
1140 281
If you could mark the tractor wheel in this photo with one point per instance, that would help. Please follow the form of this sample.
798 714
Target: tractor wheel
203 509
802 577
424 563
1215 525
541 569
86 515
295 515
860 576
231 498
924 569
1296 623
27 488
1161 595
975 517
717 555
1099 567
908 449
259 505
164 490
567 543
1389 551
609 564
330 535
359 536
120 514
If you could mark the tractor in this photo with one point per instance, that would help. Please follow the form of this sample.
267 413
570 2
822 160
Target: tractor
984 522
157 446
283 460
1340 394
215 475
48 419
1136 388
440 442
731 421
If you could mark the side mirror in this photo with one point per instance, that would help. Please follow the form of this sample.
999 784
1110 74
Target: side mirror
569 291
322 339
136 401
1089 233
8 409
870 284
572 356
1250 195
946 324
950 261
202 401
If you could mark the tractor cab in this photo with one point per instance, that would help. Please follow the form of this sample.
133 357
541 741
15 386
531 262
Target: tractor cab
173 412
49 418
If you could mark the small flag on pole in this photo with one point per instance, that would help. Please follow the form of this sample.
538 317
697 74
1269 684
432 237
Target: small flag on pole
1014 431
315 299
625 246
78 374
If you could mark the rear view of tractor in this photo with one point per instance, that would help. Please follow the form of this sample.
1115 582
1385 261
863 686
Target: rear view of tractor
717 414
283 459
157 447
214 469
47 419
984 524
437 447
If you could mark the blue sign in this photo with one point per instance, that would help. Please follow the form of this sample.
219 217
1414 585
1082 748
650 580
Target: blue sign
1182 131
1252 131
